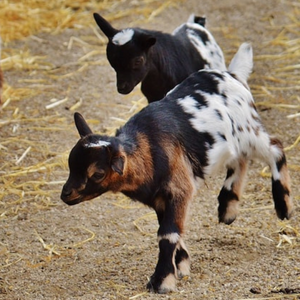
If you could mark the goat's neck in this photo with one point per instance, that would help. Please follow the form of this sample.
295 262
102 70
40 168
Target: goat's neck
138 166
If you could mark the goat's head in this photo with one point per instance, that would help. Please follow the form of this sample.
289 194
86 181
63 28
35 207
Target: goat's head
95 164
127 51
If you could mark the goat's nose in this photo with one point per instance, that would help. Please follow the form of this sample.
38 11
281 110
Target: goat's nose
66 192
122 85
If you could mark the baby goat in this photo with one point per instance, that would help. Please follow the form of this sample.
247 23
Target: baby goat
205 123
159 60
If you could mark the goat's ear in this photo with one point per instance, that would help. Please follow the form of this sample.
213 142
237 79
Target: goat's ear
147 41
117 164
107 29
81 125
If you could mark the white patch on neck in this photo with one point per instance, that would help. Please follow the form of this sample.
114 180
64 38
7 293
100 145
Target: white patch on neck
123 37
97 144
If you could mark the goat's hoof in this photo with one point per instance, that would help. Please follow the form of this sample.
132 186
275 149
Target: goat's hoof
183 268
226 220
229 214
162 286
284 215
285 209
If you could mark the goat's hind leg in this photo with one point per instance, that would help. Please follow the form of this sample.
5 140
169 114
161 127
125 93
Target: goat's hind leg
231 192
280 180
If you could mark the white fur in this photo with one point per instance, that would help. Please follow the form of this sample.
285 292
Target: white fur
191 19
97 144
242 63
252 141
171 237
210 51
123 37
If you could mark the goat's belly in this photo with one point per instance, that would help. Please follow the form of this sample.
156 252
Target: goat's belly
219 157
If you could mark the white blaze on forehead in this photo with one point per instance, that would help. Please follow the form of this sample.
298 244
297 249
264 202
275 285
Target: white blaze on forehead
97 144
123 37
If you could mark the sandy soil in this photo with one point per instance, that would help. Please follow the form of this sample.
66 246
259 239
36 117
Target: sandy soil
106 248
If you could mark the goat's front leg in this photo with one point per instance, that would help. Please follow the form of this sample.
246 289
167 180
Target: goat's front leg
164 278
173 259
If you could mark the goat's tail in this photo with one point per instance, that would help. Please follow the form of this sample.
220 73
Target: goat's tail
196 19
242 63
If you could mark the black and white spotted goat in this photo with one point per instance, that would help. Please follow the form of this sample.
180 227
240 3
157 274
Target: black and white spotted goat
159 60
207 122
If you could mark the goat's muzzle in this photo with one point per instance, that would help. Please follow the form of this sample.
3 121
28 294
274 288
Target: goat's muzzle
69 197
124 88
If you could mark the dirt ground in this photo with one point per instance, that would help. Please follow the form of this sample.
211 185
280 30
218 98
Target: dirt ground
106 248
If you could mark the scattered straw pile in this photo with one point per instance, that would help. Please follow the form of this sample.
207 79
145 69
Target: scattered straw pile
30 169
19 19
28 164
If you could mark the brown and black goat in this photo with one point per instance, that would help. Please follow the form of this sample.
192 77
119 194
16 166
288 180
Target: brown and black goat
207 122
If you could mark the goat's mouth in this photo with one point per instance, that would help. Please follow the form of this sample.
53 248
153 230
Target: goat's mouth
125 91
124 88
71 201
78 198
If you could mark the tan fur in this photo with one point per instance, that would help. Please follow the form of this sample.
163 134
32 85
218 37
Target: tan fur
168 284
285 181
239 184
277 142
182 176
91 170
284 176
139 165
159 204
138 168
183 268
232 210
237 187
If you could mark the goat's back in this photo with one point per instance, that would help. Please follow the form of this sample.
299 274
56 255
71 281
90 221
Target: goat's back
210 114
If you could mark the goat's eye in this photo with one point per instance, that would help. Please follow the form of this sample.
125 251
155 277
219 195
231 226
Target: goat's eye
137 63
98 176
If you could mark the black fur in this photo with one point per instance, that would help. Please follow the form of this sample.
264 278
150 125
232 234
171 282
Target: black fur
167 59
